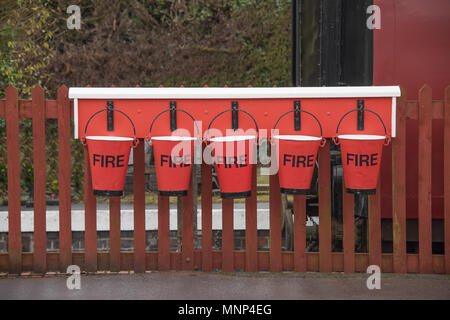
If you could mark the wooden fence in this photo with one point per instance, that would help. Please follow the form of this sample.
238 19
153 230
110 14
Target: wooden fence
227 259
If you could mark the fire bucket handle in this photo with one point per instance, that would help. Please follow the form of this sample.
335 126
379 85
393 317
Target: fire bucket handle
323 142
387 140
148 139
135 140
228 110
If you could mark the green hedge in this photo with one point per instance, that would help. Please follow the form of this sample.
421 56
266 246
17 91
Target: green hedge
168 42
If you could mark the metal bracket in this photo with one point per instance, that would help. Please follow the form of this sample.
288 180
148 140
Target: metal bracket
173 115
234 115
110 115
360 124
297 118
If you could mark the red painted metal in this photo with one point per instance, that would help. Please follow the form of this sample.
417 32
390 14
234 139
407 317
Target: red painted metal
296 163
234 162
266 111
414 33
108 162
418 28
173 169
361 173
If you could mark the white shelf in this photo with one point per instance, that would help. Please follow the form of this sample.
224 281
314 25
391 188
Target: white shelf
234 93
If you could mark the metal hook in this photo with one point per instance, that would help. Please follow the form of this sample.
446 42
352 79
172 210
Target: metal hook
297 116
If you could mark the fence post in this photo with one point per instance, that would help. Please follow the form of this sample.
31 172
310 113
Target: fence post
114 234
139 206
227 235
187 252
64 179
399 189
206 217
39 170
299 233
275 224
447 178
13 160
348 216
90 214
163 233
251 227
424 175
325 258
375 228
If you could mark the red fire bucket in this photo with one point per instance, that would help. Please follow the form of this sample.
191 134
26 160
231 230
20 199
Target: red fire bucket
234 158
361 158
297 158
108 159
174 156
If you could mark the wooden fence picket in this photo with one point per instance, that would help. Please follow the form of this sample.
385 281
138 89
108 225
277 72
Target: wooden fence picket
348 215
447 179
139 207
275 224
163 233
13 160
251 228
64 179
375 228
187 241
424 180
90 218
399 190
300 233
206 192
114 234
40 181
325 258
227 235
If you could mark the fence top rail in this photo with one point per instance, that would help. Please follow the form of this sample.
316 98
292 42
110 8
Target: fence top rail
234 93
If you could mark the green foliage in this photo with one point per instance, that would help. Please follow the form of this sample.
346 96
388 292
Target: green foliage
26 44
129 42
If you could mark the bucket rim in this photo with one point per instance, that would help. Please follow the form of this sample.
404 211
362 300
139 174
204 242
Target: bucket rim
361 137
232 138
297 137
173 138
109 138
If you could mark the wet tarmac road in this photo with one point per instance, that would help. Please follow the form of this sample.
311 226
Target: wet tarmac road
218 286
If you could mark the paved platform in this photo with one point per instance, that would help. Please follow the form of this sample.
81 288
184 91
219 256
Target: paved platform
233 286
